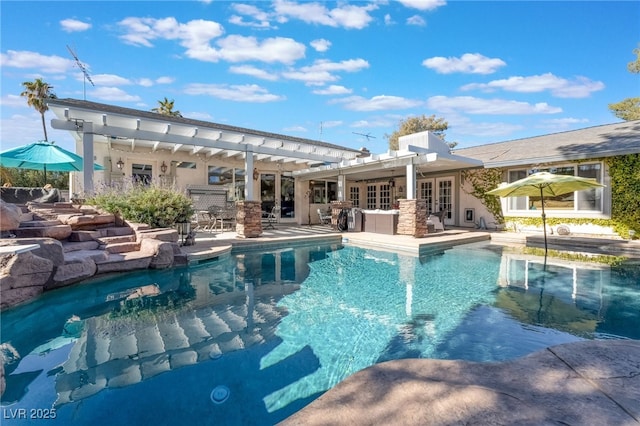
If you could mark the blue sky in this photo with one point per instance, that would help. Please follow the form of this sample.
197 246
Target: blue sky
331 71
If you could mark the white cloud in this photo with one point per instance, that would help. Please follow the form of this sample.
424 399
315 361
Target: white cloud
423 4
253 72
73 25
344 15
321 45
471 105
331 123
165 80
470 63
333 90
559 87
194 35
297 129
14 101
239 93
113 94
416 20
388 20
27 59
322 71
376 103
108 80
237 48
260 19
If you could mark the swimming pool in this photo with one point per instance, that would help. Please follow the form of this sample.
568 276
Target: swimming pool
256 336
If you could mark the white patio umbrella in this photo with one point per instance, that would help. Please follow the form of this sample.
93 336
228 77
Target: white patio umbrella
545 184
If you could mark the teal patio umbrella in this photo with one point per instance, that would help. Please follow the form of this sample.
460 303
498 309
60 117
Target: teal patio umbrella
545 184
43 156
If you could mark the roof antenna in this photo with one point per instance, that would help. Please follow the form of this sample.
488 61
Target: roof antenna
368 135
84 72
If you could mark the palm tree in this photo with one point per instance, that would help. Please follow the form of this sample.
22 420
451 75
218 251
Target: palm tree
37 93
166 108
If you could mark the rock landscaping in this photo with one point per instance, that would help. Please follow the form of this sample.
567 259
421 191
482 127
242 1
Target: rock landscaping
48 246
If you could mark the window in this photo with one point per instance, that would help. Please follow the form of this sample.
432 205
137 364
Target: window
586 200
372 197
287 206
426 193
590 199
142 173
385 197
223 177
354 196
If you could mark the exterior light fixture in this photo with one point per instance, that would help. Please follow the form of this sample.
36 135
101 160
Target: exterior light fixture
392 182
163 168
255 174
120 164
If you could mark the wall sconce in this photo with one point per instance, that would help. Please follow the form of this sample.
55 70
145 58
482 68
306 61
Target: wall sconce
400 189
255 174
120 164
163 168
392 182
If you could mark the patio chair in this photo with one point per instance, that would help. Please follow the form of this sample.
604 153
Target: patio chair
437 220
272 217
325 219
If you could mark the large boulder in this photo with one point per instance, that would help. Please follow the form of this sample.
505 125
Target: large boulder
9 216
162 252
73 271
50 248
22 277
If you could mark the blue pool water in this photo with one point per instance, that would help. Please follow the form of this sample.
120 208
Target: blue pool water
254 337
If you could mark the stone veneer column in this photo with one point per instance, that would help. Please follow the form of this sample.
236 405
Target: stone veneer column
249 219
412 219
336 206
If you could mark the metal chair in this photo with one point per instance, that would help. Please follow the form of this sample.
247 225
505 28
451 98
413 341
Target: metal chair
325 219
273 217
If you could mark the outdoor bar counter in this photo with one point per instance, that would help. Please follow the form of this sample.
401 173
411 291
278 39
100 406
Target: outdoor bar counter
380 221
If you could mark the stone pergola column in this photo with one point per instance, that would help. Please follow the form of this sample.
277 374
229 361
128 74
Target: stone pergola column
249 219
412 219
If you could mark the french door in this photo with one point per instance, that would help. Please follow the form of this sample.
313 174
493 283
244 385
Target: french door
439 196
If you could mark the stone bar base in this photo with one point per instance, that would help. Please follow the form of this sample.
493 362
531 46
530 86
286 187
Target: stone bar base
413 218
249 219
336 206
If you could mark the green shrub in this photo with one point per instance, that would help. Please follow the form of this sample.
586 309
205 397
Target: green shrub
158 207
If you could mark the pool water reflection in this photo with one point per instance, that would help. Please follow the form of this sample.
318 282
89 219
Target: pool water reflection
277 329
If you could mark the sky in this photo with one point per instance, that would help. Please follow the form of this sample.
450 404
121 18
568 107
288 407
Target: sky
340 72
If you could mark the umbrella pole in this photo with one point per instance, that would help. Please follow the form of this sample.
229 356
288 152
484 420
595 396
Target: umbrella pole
544 226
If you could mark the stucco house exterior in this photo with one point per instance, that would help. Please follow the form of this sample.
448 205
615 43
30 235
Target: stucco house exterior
218 163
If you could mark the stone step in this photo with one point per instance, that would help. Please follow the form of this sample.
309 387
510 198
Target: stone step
71 246
58 232
83 221
116 231
80 236
124 262
39 223
123 247
117 239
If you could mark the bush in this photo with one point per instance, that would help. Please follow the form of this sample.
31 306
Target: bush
158 207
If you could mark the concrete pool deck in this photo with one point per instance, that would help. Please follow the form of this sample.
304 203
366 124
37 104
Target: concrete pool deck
210 245
582 383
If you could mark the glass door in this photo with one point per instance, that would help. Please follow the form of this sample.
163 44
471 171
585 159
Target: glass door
444 198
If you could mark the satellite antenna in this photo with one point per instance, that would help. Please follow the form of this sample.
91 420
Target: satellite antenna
84 72
367 135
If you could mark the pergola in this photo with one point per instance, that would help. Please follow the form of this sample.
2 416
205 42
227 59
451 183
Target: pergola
93 123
